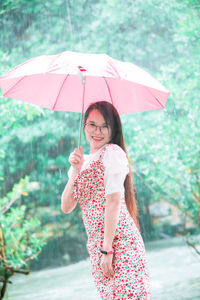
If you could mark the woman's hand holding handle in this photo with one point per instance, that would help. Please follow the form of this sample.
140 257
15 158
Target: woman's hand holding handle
68 202
76 159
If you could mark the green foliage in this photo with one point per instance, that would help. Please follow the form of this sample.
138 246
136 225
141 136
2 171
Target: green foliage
22 234
21 237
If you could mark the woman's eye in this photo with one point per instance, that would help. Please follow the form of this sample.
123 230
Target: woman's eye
105 126
93 125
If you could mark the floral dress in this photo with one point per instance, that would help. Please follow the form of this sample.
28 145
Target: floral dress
131 278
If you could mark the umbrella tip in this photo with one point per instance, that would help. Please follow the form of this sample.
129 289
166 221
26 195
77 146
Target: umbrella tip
81 69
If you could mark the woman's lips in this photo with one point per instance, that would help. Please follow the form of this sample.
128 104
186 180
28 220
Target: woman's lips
97 139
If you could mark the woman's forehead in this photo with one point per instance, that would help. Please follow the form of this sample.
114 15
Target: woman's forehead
96 116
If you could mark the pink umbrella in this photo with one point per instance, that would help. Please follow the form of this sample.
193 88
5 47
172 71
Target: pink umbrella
53 82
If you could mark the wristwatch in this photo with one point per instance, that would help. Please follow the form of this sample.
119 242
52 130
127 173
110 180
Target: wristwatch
106 252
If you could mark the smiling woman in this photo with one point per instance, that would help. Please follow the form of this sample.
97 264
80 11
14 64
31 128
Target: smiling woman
101 183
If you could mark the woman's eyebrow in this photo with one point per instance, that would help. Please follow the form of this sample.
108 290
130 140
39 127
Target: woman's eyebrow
96 124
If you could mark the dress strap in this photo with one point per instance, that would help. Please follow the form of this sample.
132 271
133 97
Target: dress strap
102 152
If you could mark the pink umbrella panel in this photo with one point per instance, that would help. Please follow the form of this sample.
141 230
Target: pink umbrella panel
53 82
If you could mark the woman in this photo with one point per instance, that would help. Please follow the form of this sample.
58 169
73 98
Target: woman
101 183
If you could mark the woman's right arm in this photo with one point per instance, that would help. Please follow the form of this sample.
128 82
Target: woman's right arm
68 203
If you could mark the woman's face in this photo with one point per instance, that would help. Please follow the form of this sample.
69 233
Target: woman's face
96 137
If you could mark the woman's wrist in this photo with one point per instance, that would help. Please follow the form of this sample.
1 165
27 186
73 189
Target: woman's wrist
74 171
105 251
107 245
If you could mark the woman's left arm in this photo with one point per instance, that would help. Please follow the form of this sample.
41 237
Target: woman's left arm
116 169
112 209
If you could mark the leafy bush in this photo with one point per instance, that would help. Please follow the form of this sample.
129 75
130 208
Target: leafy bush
21 237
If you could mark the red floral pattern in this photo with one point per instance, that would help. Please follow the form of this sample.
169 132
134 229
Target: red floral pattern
131 279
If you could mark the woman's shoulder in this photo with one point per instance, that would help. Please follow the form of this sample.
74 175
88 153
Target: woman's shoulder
115 159
114 148
114 152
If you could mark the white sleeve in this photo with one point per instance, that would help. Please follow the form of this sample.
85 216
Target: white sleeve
69 173
116 168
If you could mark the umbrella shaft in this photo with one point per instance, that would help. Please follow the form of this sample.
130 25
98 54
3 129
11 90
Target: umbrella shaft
81 121
80 131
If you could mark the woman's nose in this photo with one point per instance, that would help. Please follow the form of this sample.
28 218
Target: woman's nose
98 129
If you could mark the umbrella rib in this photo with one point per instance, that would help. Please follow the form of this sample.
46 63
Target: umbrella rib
154 97
10 89
59 92
108 90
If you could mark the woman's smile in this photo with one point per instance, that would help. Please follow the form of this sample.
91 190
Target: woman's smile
97 139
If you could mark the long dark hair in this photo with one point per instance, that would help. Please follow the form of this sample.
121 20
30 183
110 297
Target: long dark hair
112 117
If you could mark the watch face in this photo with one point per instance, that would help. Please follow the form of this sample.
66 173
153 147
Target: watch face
103 251
106 252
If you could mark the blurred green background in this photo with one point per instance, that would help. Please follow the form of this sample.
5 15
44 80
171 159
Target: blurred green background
163 37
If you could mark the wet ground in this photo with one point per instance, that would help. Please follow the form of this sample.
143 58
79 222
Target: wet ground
174 270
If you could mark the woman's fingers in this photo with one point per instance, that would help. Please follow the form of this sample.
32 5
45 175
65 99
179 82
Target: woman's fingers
109 273
107 270
76 158
106 265
79 151
77 155
73 160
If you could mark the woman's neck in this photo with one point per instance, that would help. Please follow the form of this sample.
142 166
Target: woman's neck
94 150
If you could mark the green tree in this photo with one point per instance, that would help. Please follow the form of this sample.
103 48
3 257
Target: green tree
21 238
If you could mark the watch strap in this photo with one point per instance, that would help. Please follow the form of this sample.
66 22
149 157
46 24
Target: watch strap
106 252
